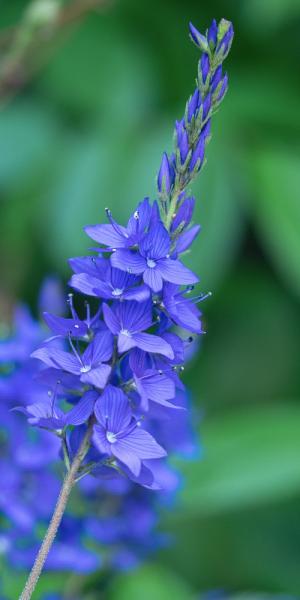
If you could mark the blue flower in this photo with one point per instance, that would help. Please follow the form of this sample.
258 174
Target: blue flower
119 435
96 277
114 235
153 261
89 366
128 321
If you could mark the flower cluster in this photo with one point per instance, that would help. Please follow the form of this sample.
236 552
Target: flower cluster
115 370
116 525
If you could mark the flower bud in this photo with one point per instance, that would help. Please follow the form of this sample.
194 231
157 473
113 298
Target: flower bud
198 154
193 105
204 67
216 78
225 37
212 34
199 39
206 106
165 175
223 88
182 141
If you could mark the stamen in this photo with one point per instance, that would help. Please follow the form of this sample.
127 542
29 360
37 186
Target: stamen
75 351
71 305
114 224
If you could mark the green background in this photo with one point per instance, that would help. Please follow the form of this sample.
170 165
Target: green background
88 132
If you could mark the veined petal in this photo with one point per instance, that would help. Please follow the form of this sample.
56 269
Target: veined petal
156 243
100 440
86 284
152 277
175 272
139 293
62 326
125 343
59 359
111 320
83 410
158 387
127 456
153 343
100 349
97 377
91 265
107 235
142 444
112 409
132 262
186 238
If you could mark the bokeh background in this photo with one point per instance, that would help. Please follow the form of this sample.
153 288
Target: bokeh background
87 131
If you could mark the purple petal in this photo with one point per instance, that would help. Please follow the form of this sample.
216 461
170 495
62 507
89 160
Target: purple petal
141 444
153 343
139 293
135 316
175 272
111 320
83 410
100 440
107 235
61 326
86 284
156 244
100 349
158 387
128 261
58 359
97 377
112 409
153 279
91 265
186 238
127 456
125 343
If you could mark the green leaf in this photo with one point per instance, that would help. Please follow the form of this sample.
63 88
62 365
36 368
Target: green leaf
250 457
276 182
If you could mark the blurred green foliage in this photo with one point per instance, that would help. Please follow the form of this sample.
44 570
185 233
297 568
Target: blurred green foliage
88 132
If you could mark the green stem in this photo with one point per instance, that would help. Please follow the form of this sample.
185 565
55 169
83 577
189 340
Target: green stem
61 504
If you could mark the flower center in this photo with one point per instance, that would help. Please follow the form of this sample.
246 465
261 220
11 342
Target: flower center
117 292
125 332
85 369
111 437
151 263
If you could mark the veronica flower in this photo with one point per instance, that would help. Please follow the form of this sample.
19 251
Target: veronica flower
128 321
114 235
119 435
153 261
89 366
96 277
180 308
129 344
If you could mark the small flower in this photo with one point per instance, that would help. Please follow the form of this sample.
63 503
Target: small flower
165 177
128 321
96 277
114 235
119 435
89 366
153 261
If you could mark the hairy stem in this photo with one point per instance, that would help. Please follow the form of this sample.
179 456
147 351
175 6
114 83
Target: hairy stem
57 515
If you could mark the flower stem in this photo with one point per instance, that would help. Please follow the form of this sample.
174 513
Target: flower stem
57 515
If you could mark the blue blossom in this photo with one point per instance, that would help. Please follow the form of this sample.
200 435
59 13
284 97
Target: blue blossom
120 435
153 260
117 373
